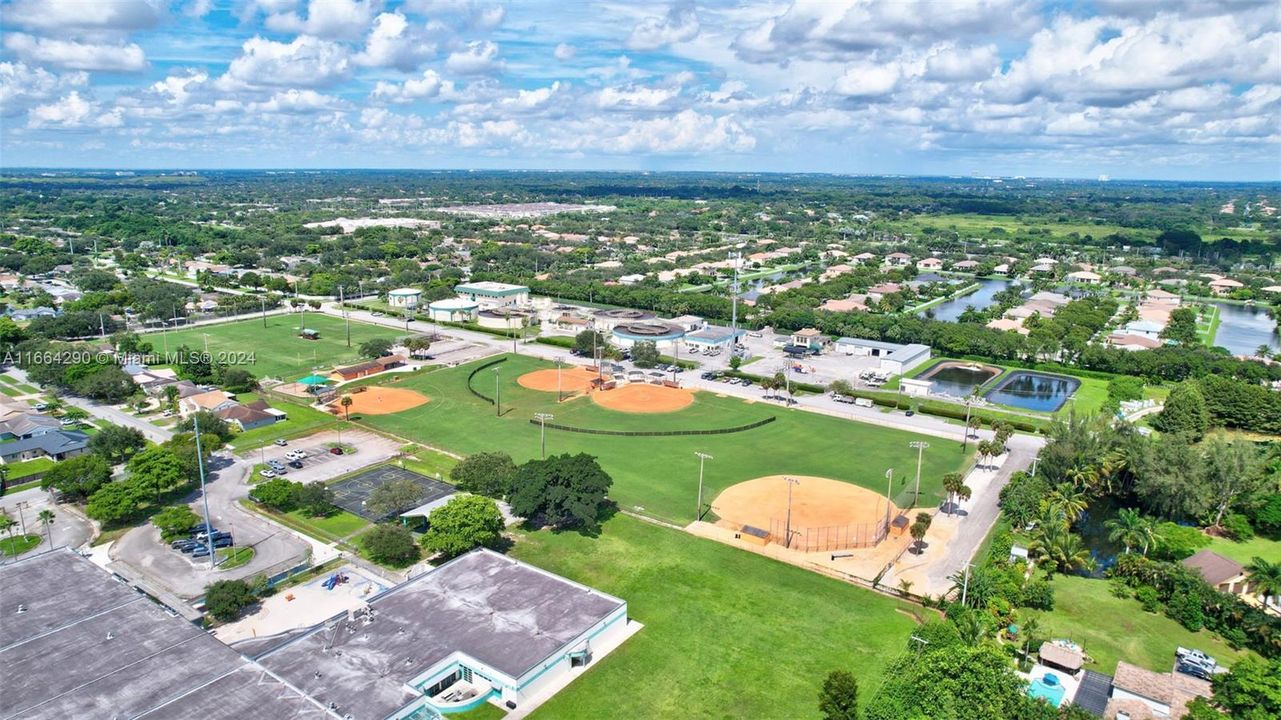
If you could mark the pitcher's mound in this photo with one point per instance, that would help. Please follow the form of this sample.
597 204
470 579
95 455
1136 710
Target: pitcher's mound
643 398
576 380
375 400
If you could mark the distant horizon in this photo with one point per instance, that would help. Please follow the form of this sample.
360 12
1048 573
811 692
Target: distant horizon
1187 92
621 171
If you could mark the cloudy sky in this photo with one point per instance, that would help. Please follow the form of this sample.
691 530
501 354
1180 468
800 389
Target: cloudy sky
1131 88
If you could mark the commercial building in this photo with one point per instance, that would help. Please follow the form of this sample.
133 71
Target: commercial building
493 294
712 336
404 297
895 359
455 310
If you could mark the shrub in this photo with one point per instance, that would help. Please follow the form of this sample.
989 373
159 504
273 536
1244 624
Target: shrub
390 544
1237 527
1266 515
1175 542
225 599
1146 595
175 521
1039 595
1186 609
277 494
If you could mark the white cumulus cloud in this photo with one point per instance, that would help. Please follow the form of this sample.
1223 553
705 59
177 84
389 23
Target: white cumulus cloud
73 55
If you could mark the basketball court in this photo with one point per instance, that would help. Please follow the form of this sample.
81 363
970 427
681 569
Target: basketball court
352 494
825 514
569 380
374 400
644 398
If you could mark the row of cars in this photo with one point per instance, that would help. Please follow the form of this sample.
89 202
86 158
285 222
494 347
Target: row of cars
725 379
202 536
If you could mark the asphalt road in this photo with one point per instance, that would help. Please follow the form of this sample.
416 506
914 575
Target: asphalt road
69 528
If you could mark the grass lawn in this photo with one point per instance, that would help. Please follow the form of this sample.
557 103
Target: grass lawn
728 634
10 391
430 463
1088 398
18 544
1112 628
336 526
234 557
1245 552
27 468
277 349
302 420
659 475
28 389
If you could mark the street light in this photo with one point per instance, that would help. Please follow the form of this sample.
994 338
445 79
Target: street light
889 477
790 483
559 397
702 456
965 585
22 521
200 462
920 446
542 419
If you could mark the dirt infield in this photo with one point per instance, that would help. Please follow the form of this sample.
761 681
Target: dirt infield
826 514
380 401
642 398
573 380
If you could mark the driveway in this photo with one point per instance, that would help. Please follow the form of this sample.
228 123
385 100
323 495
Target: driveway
69 529
274 548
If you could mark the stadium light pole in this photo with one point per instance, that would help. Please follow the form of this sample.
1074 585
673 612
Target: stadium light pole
791 482
920 446
702 456
498 398
263 300
965 434
559 397
542 419
204 494
889 484
342 303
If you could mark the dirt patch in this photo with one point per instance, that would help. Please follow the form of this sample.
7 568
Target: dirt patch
376 400
569 380
826 514
640 398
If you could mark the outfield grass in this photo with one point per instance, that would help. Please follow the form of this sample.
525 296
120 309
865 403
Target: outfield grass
277 349
1245 552
1112 628
659 475
728 634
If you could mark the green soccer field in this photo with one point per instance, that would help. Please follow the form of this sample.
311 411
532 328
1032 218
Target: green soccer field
728 634
658 476
277 349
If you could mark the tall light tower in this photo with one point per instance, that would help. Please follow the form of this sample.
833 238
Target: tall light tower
920 446
889 484
542 419
702 456
733 322
204 494
498 398
791 482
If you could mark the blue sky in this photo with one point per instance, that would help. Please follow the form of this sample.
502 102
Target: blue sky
1158 89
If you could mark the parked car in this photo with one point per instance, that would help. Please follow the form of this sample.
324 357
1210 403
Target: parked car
223 542
200 536
281 442
202 527
1205 672
335 451
295 464
269 474
183 543
843 399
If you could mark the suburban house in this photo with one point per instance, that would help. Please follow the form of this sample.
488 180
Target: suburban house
1085 277
862 258
25 314
898 259
27 425
929 263
55 445
1139 693
211 400
849 304
254 415
877 292
1127 341
966 265
1225 286
367 368
1225 574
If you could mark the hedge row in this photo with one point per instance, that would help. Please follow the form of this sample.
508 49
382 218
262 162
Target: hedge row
472 374
659 433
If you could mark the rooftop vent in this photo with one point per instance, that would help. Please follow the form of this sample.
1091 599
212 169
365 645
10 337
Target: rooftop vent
22 609
111 635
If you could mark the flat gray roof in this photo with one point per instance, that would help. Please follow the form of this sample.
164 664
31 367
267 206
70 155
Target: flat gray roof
715 333
504 613
90 646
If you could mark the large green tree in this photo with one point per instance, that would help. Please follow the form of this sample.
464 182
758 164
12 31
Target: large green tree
175 521
226 599
77 478
394 497
464 523
117 443
156 470
114 502
564 491
486 473
1184 412
838 699
1252 690
952 682
390 544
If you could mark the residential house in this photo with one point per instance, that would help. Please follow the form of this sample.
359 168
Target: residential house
835 271
253 415
1225 574
25 314
966 265
1085 277
1124 270
55 445
1145 328
898 259
1225 286
876 293
1128 341
863 258
929 263
211 400
27 425
1138 693
849 304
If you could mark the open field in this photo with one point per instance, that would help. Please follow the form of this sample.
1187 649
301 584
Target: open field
1245 552
727 634
277 349
1112 628
659 475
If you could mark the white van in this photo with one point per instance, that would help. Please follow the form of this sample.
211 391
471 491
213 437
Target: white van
863 402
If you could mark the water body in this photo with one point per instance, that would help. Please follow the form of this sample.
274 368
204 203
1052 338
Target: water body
981 298
1034 391
959 379
1243 328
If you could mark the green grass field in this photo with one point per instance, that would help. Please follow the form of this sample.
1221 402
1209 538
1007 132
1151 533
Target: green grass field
659 475
332 527
728 634
1245 552
1112 628
27 468
277 349
18 544
302 420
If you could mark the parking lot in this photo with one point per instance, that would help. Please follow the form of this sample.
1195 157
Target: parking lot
318 464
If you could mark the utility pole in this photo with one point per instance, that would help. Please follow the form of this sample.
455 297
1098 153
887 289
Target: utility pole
733 323
22 521
542 419
498 399
702 456
965 439
920 446
791 482
263 301
559 397
889 484
342 303
204 494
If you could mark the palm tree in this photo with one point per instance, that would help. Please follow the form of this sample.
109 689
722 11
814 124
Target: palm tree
1265 577
1059 549
1084 477
46 519
1066 502
954 485
982 451
6 525
972 427
346 406
904 587
1263 352
1130 529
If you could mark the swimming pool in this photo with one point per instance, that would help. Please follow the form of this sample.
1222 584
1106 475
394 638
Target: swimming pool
1036 391
1048 688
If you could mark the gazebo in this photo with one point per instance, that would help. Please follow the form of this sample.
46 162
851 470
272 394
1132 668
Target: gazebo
314 381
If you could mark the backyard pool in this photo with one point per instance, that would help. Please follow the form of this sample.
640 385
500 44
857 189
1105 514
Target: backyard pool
959 379
1048 688
1034 391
